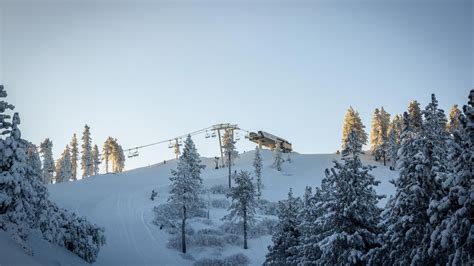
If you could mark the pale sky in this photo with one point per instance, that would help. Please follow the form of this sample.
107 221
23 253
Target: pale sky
150 70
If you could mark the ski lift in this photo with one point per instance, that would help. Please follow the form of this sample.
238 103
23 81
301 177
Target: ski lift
170 145
135 153
237 136
213 134
130 154
207 135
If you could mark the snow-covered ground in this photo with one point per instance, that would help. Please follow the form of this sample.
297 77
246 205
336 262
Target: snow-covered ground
121 203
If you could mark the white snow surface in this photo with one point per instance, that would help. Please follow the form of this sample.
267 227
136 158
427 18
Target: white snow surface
121 203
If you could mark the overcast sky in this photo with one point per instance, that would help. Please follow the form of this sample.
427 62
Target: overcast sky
143 72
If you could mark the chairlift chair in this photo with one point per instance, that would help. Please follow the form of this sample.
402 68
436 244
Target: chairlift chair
170 145
207 135
213 134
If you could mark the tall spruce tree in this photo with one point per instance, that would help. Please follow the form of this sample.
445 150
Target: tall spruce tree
311 226
384 131
64 167
452 240
107 152
286 235
46 148
453 121
349 226
24 202
352 121
228 143
186 185
258 164
244 202
406 217
376 134
74 156
87 163
379 139
394 140
278 158
95 158
414 114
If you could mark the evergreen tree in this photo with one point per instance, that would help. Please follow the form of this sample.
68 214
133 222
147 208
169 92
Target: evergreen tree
452 240
107 152
349 225
453 122
394 140
278 159
96 160
87 163
16 195
414 113
46 148
228 144
379 140
384 131
308 251
186 185
74 156
24 202
406 217
375 134
243 202
117 157
435 135
64 167
286 235
258 164
352 121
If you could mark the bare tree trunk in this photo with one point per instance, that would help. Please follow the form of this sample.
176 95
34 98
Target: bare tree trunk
384 159
183 230
245 229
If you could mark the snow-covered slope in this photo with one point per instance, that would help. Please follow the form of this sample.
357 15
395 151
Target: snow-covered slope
121 203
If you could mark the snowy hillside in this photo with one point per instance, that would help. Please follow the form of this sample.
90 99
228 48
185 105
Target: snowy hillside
121 203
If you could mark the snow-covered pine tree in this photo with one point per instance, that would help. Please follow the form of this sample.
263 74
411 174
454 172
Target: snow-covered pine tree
286 235
452 241
46 148
351 213
244 202
64 167
278 158
24 202
74 156
258 164
394 140
414 113
107 152
453 121
186 185
228 144
117 156
308 251
406 219
16 195
87 163
95 158
434 131
375 134
352 121
384 130
120 164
